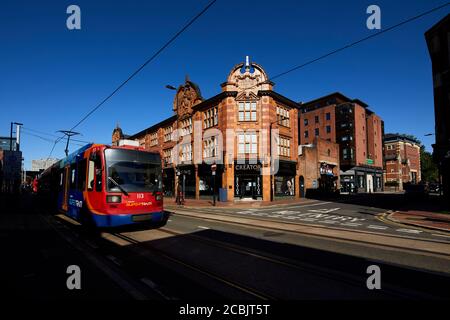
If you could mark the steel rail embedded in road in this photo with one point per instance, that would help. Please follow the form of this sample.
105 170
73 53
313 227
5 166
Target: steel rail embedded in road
247 290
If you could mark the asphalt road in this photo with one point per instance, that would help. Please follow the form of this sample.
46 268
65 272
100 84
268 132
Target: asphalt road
200 259
330 214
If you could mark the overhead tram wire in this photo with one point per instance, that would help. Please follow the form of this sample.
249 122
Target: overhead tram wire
37 132
157 53
353 44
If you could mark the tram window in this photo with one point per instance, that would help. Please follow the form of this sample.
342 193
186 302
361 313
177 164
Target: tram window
91 175
61 179
81 177
73 181
98 173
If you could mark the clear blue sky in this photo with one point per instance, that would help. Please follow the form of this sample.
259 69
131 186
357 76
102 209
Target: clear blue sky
50 76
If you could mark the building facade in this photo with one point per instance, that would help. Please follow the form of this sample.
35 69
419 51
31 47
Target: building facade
401 160
357 130
233 131
42 164
438 41
318 167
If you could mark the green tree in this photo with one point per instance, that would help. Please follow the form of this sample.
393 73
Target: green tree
428 168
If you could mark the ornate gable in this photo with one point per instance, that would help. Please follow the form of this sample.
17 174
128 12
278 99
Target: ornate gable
248 77
188 95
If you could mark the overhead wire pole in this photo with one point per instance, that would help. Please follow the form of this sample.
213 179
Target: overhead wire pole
157 53
68 133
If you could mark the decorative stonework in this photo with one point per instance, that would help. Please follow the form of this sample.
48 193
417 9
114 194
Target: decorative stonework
188 95
248 78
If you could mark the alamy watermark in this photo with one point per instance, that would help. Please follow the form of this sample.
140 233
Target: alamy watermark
374 20
74 280
73 21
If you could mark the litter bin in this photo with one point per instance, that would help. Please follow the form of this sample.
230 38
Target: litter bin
222 195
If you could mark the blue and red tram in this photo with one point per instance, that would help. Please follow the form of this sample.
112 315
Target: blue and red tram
106 186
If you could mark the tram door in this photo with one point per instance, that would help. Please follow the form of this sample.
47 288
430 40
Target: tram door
65 200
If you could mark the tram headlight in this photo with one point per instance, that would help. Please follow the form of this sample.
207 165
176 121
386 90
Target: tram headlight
113 199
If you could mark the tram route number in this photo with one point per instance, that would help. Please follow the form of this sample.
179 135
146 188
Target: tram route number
244 310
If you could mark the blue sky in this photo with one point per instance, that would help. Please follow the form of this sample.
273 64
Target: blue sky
51 76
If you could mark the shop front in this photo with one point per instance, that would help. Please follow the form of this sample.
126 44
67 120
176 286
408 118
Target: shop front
248 181
209 183
328 179
361 180
284 179
186 179
168 177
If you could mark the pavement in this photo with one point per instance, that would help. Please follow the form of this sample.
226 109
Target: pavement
201 203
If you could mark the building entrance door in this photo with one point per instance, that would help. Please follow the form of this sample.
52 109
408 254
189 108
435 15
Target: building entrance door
248 186
369 183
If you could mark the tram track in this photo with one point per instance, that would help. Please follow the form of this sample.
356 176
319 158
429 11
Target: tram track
328 274
148 251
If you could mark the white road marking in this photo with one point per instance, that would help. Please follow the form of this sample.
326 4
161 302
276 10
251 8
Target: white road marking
351 224
274 216
308 219
202 227
328 221
440 235
290 217
372 226
244 212
169 220
286 212
409 231
323 210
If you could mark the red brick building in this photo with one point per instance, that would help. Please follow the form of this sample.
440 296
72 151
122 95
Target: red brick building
357 130
231 129
318 166
402 160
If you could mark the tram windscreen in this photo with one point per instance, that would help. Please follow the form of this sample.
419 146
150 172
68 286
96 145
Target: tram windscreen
132 171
